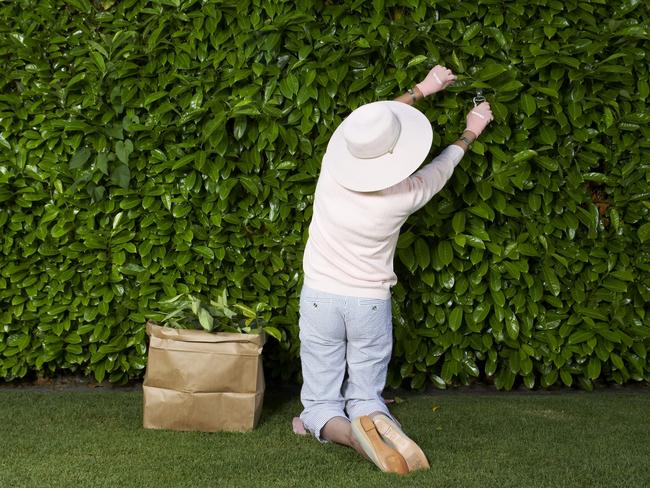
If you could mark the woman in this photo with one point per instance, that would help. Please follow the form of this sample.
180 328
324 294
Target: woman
366 190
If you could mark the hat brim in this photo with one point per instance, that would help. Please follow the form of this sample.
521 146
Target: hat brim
376 174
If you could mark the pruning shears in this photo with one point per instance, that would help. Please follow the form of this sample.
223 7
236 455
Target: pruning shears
479 98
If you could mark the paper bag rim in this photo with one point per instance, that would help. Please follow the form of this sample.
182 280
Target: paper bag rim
191 335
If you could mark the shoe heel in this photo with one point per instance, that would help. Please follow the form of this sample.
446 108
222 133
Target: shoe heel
366 424
385 457
395 438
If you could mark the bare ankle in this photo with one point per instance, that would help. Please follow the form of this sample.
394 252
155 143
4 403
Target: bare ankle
354 444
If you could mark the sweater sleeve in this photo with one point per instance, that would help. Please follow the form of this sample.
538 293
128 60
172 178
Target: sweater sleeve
429 180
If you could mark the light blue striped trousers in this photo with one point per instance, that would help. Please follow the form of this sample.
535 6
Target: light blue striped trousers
345 347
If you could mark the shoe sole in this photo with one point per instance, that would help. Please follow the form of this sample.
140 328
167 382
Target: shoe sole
398 440
385 458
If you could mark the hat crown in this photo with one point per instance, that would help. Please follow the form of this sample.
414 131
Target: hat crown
371 131
375 148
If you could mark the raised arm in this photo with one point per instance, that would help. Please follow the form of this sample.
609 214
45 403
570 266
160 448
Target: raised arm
430 179
437 80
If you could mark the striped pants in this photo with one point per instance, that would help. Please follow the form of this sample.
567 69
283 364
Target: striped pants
345 347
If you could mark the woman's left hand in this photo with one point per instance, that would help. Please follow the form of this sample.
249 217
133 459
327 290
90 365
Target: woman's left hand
438 79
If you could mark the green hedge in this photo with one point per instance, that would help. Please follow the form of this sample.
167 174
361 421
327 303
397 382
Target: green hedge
155 147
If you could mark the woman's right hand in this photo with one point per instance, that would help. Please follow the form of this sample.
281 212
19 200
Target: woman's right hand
478 118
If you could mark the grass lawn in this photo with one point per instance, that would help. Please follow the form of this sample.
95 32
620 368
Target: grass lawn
473 439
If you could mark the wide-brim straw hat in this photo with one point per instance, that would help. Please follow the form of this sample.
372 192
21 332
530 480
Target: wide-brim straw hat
378 145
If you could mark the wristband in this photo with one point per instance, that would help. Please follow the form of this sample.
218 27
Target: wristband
412 93
465 140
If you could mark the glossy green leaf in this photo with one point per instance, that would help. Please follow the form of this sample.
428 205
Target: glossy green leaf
524 155
566 377
547 135
123 149
490 71
644 232
456 318
580 336
273 332
458 222
204 251
206 320
551 280
80 158
512 324
438 382
445 253
154 97
422 253
594 368
121 176
416 60
480 312
528 104
471 31
98 60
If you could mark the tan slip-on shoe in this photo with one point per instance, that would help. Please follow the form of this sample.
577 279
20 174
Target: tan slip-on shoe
386 458
398 440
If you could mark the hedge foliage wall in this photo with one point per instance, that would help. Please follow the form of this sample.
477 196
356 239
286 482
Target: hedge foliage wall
153 147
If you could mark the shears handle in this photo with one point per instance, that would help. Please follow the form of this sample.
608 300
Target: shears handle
479 98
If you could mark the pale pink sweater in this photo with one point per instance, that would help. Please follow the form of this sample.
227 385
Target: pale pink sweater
353 235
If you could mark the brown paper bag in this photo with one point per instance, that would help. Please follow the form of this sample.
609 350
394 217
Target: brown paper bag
203 381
